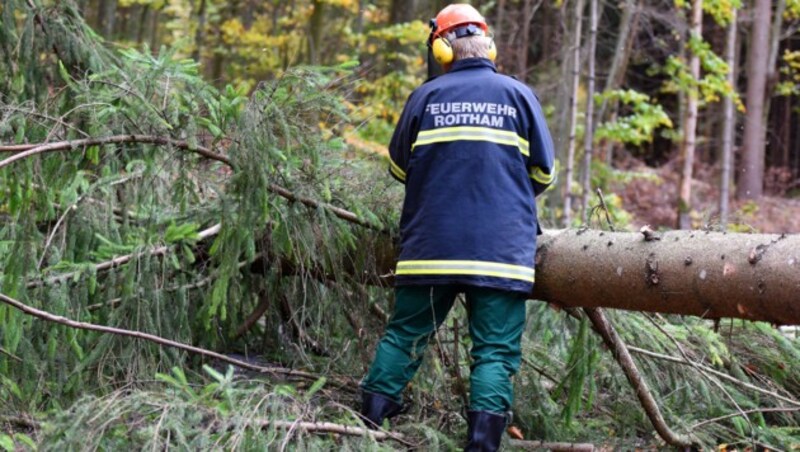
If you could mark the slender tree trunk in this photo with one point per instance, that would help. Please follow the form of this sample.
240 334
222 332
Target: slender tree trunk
627 32
619 65
199 36
729 126
751 180
573 113
106 17
524 41
360 18
315 32
153 38
690 126
497 27
556 48
142 26
588 133
786 128
772 60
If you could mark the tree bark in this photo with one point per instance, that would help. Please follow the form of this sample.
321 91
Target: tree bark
706 274
690 125
588 133
627 32
199 36
772 67
315 32
729 125
573 116
107 14
751 181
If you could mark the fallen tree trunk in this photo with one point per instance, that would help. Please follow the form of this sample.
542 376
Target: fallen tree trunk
705 274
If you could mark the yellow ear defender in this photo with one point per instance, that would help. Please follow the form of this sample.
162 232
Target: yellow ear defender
443 50
492 50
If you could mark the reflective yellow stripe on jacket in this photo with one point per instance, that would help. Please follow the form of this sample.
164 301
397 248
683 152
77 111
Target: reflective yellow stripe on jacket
479 268
540 176
396 170
447 134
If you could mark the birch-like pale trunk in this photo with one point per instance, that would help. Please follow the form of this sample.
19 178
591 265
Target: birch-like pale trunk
690 126
729 126
573 114
588 133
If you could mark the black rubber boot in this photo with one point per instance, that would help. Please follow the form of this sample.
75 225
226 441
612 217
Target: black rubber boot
377 407
485 431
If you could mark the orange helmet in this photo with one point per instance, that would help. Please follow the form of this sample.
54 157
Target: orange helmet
458 14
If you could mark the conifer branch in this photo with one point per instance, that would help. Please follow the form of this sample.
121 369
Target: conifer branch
122 260
742 413
716 373
44 315
623 357
41 148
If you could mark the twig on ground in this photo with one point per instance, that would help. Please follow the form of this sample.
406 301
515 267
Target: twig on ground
329 427
10 355
558 447
20 422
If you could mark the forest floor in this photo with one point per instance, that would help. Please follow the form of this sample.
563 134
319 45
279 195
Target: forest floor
649 194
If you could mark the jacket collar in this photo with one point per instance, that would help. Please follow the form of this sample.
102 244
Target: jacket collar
472 63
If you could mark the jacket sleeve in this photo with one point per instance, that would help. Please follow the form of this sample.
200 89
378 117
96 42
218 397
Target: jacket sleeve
404 135
541 162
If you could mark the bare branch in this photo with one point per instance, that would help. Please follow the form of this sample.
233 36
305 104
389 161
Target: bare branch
623 357
152 338
72 144
329 427
559 447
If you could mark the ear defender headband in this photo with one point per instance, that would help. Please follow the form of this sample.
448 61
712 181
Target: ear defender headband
443 50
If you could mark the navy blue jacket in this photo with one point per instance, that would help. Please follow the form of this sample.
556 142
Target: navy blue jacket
473 149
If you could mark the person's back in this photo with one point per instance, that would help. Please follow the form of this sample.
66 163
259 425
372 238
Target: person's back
473 149
469 195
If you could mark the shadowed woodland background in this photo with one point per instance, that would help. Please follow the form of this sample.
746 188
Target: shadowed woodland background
215 175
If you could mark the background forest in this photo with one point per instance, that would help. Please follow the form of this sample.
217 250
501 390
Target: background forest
194 203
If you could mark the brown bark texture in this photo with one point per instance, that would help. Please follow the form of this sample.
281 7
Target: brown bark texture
706 274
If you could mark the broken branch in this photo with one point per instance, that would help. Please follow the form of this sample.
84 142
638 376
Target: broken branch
152 338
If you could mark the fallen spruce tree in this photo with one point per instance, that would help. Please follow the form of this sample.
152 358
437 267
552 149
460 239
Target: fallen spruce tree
699 273
154 223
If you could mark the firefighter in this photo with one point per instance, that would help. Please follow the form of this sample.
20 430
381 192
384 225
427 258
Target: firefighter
473 150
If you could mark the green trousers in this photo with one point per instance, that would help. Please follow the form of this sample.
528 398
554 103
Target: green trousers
496 321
